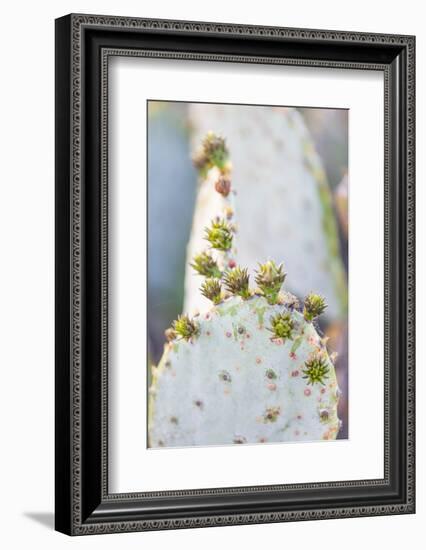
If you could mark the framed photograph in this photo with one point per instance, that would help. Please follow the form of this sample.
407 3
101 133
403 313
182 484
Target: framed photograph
234 274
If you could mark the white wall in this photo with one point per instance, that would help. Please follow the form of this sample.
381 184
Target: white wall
26 299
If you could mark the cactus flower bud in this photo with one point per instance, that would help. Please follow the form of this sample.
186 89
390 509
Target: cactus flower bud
223 185
237 282
215 150
269 279
282 326
316 370
212 289
185 327
314 305
219 235
205 265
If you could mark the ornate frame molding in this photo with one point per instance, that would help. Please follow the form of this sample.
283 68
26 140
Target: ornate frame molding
73 48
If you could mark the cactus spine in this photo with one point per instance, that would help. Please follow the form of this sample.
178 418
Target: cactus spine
252 369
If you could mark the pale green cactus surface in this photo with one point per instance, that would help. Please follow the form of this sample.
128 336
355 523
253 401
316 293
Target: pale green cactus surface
251 369
235 383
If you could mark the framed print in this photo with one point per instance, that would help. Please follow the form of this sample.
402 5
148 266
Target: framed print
234 274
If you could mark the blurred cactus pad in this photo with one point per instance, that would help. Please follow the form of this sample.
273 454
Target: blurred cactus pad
282 196
253 367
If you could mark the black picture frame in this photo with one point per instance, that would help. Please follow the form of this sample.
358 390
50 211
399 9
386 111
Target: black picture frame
83 46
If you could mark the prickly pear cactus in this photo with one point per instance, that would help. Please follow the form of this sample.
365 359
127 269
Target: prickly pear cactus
282 191
253 368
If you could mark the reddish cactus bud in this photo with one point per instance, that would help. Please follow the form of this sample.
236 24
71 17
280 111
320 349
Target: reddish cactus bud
223 185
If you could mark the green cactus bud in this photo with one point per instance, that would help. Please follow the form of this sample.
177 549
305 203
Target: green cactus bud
215 150
185 327
314 305
269 279
282 326
237 282
205 265
212 289
219 235
316 370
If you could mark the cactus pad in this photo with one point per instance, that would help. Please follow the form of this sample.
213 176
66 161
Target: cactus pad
235 383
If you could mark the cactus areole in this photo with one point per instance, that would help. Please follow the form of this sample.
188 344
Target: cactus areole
253 369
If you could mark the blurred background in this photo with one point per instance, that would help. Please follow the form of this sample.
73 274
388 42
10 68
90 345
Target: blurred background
290 172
